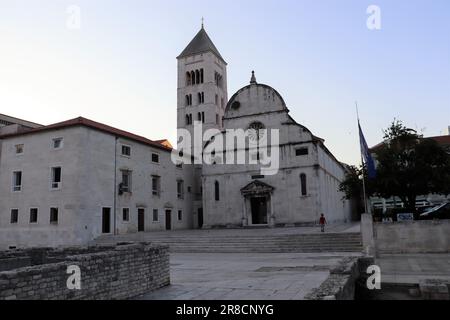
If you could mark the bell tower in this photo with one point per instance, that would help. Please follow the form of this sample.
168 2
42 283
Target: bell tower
202 85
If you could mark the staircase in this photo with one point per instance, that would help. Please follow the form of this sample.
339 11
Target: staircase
248 242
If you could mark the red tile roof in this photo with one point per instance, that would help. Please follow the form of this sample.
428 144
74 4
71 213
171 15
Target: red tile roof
442 140
80 121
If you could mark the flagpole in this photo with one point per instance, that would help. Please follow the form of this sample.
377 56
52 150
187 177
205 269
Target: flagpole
362 162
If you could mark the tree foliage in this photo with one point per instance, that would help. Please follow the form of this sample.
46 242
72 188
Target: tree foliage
408 165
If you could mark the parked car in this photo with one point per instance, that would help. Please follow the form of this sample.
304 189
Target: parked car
439 212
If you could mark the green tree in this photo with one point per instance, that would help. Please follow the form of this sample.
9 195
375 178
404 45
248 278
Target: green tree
408 165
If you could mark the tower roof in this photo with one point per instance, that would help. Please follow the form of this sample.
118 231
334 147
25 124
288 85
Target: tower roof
201 43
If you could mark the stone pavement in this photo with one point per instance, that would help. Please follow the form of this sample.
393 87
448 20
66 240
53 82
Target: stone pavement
411 268
235 276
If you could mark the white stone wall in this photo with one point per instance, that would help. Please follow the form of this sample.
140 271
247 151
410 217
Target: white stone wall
288 205
333 204
88 165
413 237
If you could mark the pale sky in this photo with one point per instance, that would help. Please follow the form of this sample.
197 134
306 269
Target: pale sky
119 68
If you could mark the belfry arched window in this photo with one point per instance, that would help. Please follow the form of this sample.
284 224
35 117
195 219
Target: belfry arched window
188 79
197 76
192 77
304 192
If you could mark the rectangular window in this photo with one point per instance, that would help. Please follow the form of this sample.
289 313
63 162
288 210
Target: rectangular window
125 186
203 117
54 215
33 215
57 143
217 119
180 189
14 216
126 151
19 149
56 178
180 215
155 158
126 214
156 185
155 215
17 180
301 152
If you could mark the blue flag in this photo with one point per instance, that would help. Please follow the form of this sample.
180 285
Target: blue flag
371 171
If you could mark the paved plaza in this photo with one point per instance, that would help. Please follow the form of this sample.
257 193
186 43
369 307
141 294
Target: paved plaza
270 276
411 268
338 228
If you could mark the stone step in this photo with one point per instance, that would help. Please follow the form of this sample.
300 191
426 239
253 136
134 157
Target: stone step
304 236
266 251
249 240
211 242
266 248
260 238
312 244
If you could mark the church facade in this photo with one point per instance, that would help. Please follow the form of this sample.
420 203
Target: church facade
68 183
306 181
238 195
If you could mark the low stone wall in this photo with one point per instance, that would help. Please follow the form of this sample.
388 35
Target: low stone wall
412 237
341 283
106 272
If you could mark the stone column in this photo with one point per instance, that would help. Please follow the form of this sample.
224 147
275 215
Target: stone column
244 213
272 214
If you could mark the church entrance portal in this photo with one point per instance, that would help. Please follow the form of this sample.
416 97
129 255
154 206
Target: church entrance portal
257 206
259 210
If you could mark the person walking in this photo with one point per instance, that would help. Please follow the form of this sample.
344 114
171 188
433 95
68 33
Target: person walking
322 222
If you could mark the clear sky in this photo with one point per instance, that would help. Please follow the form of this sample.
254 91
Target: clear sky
119 68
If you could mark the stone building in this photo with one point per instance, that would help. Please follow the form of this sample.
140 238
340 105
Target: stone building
10 124
306 182
70 182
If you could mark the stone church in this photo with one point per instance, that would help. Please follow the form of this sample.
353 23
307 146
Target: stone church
238 195
68 183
